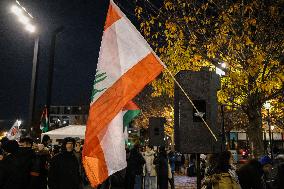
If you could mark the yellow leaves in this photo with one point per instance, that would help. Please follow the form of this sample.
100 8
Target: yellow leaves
168 5
138 11
281 76
252 21
248 8
268 87
260 57
172 27
181 35
189 19
238 46
248 41
204 6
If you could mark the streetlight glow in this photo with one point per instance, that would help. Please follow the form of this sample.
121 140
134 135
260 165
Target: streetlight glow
19 122
267 105
223 65
219 71
24 19
272 127
16 10
30 28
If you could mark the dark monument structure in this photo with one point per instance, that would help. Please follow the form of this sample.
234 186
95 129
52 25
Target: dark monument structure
191 134
156 131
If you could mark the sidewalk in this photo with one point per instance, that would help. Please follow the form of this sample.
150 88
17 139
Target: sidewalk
185 182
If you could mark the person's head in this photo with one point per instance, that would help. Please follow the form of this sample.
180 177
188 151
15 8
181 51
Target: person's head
26 142
46 140
3 141
225 161
266 163
11 147
162 150
78 146
40 147
148 148
68 144
56 149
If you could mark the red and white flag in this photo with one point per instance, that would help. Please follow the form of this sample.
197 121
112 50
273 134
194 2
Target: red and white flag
14 132
126 64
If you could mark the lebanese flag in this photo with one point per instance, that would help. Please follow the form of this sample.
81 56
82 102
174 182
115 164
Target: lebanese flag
126 64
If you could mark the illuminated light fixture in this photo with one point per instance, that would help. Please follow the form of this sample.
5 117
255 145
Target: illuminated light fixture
272 127
267 105
23 19
219 71
30 28
19 122
16 10
223 65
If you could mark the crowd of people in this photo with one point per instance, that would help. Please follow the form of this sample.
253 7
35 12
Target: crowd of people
26 165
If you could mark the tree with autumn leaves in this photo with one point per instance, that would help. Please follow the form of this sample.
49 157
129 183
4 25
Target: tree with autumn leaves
247 36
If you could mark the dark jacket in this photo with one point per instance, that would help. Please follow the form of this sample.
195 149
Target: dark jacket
134 167
280 176
64 171
250 175
26 157
12 177
135 163
40 170
117 180
161 163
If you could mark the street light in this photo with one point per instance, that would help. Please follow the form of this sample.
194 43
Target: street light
25 18
267 106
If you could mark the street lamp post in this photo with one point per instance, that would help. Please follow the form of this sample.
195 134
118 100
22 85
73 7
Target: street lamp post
33 82
267 106
25 18
223 129
51 68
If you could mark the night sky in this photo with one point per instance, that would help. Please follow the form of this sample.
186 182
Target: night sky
76 57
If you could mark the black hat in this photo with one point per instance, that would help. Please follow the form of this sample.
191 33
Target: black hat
69 139
65 140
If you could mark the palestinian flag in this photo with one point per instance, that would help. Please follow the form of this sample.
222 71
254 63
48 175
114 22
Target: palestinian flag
126 65
44 121
131 111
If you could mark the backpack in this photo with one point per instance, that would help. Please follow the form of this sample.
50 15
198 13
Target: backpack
225 181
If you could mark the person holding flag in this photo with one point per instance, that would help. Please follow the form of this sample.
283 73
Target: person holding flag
126 65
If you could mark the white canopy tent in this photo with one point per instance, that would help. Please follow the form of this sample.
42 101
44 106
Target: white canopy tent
68 131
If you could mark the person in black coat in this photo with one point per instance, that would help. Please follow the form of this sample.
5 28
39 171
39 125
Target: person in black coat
250 175
11 177
162 168
64 168
29 164
134 169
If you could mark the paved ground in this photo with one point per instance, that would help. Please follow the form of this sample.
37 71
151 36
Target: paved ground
185 182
